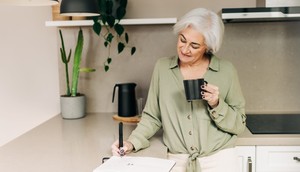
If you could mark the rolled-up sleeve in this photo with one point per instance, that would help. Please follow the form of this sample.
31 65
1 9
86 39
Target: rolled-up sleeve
229 115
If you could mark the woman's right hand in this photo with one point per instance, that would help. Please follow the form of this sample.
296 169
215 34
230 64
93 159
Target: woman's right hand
127 148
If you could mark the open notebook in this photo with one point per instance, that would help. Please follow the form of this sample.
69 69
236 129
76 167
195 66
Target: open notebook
135 164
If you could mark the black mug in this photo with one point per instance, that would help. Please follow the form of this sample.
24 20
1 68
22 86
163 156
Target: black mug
192 88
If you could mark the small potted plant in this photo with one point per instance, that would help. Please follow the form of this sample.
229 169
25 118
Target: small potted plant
73 103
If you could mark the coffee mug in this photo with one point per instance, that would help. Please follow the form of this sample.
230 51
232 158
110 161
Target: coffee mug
192 88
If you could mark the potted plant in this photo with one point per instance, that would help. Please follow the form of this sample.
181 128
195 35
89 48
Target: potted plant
73 103
108 26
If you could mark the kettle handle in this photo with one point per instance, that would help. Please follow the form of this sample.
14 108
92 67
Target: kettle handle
113 97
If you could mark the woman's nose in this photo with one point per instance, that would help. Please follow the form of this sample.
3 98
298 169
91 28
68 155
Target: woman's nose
186 48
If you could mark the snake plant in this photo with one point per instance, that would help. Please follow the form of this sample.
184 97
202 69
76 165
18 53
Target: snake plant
72 91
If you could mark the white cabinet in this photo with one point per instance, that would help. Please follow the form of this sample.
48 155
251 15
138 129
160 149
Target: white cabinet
247 158
278 158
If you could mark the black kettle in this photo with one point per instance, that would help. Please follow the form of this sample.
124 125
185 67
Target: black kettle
127 100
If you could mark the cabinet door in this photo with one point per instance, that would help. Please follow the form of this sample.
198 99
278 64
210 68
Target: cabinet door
278 158
246 156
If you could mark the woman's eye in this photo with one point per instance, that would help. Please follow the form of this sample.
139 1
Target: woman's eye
195 46
183 40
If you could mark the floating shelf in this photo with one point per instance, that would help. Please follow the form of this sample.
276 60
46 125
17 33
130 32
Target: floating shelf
142 21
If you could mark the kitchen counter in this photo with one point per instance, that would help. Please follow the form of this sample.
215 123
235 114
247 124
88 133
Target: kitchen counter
69 145
249 139
79 145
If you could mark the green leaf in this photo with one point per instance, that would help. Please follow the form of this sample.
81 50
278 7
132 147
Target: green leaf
106 43
106 68
97 27
123 3
121 47
102 6
69 56
109 7
133 49
109 37
126 38
95 19
103 18
62 49
111 21
87 70
63 56
109 60
119 29
121 11
76 63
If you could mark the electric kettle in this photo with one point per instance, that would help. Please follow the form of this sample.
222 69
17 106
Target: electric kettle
126 99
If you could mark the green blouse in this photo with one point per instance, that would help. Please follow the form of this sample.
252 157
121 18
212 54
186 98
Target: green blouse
191 127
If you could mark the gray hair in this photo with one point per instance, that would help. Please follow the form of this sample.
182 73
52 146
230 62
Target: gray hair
205 22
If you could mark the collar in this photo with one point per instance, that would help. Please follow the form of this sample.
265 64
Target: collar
213 65
174 62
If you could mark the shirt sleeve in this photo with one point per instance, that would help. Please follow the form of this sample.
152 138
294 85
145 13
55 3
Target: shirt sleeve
151 121
229 115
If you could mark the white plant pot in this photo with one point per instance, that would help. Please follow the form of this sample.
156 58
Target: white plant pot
72 107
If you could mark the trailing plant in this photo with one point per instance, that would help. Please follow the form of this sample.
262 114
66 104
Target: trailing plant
108 26
72 90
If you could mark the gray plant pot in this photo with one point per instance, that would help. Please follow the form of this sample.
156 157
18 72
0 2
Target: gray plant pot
72 107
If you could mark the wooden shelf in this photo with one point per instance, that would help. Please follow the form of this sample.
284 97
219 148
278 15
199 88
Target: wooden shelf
142 21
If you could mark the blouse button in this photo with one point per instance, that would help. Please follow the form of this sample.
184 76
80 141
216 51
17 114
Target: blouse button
214 114
190 132
192 148
189 117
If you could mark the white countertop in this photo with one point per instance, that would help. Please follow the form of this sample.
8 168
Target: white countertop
79 145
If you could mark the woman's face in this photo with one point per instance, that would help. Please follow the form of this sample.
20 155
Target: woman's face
190 46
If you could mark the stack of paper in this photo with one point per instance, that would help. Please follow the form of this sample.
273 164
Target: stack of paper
135 164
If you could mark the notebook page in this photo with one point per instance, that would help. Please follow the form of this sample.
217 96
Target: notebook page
135 164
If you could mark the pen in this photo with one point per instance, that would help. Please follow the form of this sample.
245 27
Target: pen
121 139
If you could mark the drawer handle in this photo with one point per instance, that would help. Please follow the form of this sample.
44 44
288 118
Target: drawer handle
249 164
297 159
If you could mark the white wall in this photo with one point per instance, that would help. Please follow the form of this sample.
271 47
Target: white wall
29 89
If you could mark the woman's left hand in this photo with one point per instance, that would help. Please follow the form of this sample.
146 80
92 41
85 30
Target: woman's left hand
211 95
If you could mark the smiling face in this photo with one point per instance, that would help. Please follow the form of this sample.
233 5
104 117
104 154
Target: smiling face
190 46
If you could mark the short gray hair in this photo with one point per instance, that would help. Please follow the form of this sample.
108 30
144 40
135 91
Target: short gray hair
206 22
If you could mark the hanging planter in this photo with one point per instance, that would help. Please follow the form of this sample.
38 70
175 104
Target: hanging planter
108 27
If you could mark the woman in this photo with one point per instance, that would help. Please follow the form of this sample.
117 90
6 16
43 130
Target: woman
200 135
